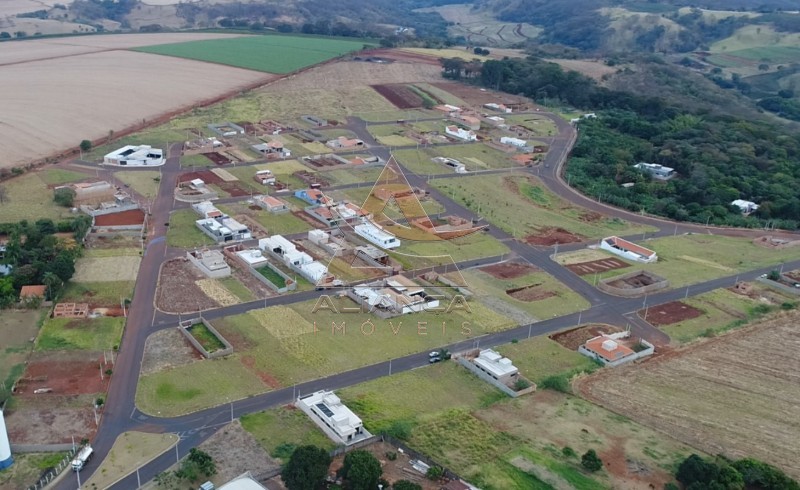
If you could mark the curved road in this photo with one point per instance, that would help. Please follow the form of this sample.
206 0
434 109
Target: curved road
122 415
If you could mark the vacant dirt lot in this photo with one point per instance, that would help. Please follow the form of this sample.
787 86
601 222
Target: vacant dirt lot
572 339
235 451
670 313
104 269
44 114
529 293
602 265
736 395
177 289
509 270
551 236
130 217
165 349
50 420
65 373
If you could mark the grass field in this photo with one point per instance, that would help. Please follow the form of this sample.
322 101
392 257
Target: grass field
477 245
272 276
753 36
540 357
183 231
343 176
237 289
750 372
16 330
95 334
414 396
477 156
689 259
522 206
58 176
105 269
280 224
538 125
145 182
99 293
27 469
195 386
269 53
280 430
130 451
206 337
29 198
281 343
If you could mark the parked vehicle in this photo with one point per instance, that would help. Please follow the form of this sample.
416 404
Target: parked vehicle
434 359
83 456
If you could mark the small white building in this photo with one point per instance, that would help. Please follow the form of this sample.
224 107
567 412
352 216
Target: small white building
333 417
495 365
264 177
210 262
206 209
656 171
498 107
223 229
747 207
252 257
135 156
519 143
461 133
628 250
377 235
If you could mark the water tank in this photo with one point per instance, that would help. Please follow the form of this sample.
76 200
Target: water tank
5 448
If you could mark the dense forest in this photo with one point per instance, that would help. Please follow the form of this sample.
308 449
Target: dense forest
721 152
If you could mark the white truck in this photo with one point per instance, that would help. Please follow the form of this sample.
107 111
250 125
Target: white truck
83 456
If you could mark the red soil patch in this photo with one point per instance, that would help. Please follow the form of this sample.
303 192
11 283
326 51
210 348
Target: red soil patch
509 270
572 339
396 55
529 293
550 236
65 376
401 96
217 158
130 217
670 313
602 265
249 362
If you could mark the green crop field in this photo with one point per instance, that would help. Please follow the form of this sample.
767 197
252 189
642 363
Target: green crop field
269 53
80 334
522 206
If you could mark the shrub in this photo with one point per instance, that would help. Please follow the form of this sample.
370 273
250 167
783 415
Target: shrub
391 455
405 485
434 473
521 384
557 382
64 196
400 429
591 461
568 452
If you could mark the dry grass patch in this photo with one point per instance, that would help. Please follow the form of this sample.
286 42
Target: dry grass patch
217 292
280 321
107 269
130 451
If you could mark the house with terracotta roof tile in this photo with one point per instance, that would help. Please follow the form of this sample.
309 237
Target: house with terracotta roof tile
615 349
628 250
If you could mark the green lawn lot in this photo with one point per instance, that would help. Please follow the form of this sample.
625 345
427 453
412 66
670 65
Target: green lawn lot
269 53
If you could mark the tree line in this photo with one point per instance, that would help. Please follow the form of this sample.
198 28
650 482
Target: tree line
719 156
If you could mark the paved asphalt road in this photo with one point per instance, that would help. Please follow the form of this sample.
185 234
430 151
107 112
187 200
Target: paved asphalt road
121 414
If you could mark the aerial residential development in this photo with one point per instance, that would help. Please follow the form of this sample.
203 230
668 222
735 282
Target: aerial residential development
256 246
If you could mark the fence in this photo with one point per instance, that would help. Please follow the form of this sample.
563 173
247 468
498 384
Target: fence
496 383
780 287
184 329
51 475
658 283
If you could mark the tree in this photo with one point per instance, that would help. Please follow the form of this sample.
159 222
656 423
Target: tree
591 461
53 283
5 35
197 463
763 67
361 470
3 194
774 275
85 145
64 196
406 485
434 473
306 468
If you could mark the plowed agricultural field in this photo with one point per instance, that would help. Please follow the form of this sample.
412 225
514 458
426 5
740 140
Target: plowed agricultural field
49 104
736 395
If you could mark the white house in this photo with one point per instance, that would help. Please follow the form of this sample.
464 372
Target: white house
333 417
377 235
498 367
628 250
656 171
135 156
396 295
519 143
747 207
611 352
461 133
206 209
223 229
298 261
